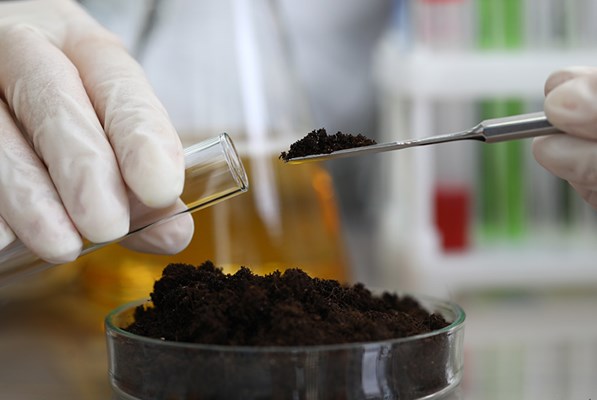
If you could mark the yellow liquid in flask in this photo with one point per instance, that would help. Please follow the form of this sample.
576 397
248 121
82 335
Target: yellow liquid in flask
287 219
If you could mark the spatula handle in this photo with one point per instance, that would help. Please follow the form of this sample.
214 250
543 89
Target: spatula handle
516 127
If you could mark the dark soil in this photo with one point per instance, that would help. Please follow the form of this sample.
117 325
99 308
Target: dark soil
204 305
319 142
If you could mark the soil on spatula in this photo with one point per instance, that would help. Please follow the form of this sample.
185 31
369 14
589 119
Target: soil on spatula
319 142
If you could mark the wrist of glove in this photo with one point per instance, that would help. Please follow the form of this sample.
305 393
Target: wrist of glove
571 105
80 128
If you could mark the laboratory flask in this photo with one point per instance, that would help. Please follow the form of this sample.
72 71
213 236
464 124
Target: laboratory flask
225 66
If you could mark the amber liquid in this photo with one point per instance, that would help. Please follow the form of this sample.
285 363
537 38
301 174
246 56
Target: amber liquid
287 219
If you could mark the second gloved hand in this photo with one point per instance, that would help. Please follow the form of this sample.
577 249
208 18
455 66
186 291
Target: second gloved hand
571 106
80 130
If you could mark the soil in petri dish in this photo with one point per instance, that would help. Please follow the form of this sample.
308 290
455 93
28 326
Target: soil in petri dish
201 304
204 305
319 142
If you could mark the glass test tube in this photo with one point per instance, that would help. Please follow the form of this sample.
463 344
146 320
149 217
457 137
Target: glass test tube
213 172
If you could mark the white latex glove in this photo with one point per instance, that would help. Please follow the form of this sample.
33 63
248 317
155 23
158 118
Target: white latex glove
80 130
571 105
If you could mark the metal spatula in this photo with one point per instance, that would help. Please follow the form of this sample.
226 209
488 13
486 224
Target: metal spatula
489 131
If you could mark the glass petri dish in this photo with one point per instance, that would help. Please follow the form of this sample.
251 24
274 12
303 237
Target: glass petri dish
426 366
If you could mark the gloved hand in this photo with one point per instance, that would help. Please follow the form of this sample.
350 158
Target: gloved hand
80 131
571 105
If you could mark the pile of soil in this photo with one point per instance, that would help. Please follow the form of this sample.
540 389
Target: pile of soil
319 142
204 305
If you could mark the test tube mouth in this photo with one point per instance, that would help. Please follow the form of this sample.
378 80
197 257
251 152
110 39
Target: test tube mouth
213 171
236 166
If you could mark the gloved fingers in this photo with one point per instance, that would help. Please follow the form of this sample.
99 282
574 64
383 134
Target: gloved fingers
571 101
29 203
571 158
560 76
169 237
7 236
147 146
45 93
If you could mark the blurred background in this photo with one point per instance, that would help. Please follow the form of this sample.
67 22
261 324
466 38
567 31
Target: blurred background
483 225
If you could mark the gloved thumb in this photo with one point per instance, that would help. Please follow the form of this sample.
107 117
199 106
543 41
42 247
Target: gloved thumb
571 101
170 235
